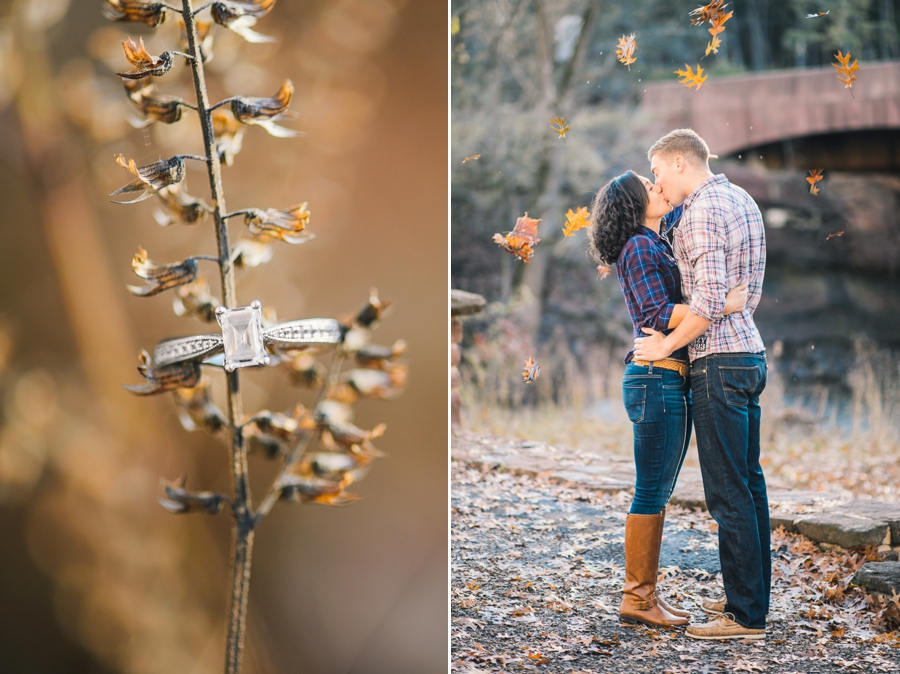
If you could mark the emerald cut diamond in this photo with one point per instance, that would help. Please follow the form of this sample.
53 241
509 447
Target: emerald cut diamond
242 335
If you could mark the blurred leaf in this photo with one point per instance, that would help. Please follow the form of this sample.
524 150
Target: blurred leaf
625 50
305 370
374 356
383 384
531 371
561 126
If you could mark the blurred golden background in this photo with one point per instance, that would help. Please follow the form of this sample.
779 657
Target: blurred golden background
95 577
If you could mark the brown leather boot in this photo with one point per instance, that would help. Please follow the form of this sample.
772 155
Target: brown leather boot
674 610
643 534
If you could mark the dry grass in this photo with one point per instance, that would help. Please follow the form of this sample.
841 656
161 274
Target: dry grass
577 403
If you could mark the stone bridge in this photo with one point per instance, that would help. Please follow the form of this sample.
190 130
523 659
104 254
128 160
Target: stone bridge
795 118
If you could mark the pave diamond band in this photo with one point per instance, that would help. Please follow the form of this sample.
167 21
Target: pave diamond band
244 341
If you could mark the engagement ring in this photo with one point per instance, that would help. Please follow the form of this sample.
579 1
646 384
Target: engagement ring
244 340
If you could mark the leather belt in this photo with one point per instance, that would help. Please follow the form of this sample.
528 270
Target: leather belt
678 366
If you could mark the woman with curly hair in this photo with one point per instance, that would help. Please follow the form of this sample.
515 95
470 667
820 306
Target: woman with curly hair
629 221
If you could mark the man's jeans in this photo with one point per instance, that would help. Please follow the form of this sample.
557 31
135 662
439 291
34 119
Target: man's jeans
725 389
658 403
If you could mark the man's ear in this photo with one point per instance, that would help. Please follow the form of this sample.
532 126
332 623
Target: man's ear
679 163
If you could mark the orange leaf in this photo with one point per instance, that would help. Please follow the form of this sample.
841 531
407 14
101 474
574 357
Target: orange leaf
691 79
625 50
846 72
531 371
577 220
840 233
709 13
474 156
521 241
815 175
560 125
602 272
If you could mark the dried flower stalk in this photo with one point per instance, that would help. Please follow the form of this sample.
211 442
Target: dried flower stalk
175 365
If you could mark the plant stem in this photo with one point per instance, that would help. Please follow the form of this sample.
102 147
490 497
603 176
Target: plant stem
242 531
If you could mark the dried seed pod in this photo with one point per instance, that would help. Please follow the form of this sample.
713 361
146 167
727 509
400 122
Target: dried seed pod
168 378
161 277
154 106
150 178
285 225
317 490
196 411
180 500
151 13
144 63
374 356
332 466
282 427
194 299
240 17
383 384
304 370
372 311
229 135
333 412
265 111
250 253
181 207
351 438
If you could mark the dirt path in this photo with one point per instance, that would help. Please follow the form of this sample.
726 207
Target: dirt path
537 569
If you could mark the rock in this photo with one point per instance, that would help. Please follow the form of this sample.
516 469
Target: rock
876 510
882 577
779 517
465 304
887 553
590 479
845 530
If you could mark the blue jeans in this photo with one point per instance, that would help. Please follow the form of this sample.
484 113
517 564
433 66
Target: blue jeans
726 388
658 403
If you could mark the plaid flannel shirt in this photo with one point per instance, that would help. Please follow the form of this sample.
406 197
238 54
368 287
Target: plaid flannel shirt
719 243
648 275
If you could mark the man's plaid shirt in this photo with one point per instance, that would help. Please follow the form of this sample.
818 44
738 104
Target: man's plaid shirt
649 278
719 243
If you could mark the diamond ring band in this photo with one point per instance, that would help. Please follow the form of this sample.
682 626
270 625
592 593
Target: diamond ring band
244 340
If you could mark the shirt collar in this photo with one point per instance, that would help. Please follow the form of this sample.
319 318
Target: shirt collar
718 179
649 232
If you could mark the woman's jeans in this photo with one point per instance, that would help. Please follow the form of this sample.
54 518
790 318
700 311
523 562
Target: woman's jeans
726 388
658 403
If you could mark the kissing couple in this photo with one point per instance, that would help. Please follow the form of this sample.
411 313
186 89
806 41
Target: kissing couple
690 254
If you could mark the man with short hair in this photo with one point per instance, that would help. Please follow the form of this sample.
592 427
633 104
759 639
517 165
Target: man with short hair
718 244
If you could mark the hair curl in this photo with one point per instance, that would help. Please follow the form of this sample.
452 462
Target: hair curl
619 209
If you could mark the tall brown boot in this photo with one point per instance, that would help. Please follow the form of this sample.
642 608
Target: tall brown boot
674 610
643 534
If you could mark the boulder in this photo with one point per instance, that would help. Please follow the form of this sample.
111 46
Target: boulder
876 510
463 303
843 529
882 577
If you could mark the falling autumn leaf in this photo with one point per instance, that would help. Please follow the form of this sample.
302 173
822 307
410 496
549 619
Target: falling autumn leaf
689 79
521 241
707 13
602 272
474 156
560 125
830 236
625 50
531 371
815 175
817 15
718 26
576 220
846 72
